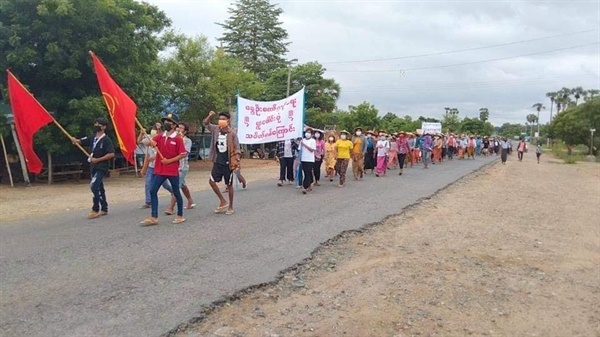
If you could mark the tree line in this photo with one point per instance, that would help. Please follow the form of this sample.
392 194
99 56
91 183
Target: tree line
46 44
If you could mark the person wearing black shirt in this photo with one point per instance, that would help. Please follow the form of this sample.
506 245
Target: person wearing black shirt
101 151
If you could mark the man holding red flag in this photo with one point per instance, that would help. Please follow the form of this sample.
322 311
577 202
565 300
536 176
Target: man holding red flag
30 116
102 150
122 110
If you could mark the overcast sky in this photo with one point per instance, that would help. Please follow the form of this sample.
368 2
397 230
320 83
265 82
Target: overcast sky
332 32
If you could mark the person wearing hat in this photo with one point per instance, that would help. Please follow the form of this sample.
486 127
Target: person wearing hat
471 147
486 145
343 149
383 147
393 152
225 154
437 149
330 156
359 149
171 149
403 150
101 151
426 147
369 163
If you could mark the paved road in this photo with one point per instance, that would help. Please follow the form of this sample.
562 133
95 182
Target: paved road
67 276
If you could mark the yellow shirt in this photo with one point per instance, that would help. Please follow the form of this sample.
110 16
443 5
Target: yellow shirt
343 148
357 146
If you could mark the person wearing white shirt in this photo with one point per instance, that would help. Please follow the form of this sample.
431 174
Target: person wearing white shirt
308 146
383 147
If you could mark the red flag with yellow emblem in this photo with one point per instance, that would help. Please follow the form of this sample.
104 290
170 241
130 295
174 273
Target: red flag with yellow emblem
122 110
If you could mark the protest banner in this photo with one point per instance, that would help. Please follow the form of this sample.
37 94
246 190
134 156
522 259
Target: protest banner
431 128
266 122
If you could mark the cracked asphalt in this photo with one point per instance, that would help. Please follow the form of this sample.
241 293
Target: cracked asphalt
63 275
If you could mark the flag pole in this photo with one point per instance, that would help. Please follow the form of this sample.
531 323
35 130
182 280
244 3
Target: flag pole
137 121
53 119
69 135
7 163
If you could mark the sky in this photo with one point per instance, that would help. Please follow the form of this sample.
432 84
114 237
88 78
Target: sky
409 57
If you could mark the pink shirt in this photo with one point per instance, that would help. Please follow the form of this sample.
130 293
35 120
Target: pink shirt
320 149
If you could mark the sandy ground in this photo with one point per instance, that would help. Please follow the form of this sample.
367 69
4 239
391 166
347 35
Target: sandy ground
21 202
512 250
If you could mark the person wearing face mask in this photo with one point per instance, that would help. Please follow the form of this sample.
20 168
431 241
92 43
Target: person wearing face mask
343 148
148 167
330 156
225 154
393 153
101 151
184 168
383 148
285 155
358 153
369 163
319 153
171 150
308 147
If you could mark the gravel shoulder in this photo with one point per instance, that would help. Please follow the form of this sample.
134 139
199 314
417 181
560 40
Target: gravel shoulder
511 250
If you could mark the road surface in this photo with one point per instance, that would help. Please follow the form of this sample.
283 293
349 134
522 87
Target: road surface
63 275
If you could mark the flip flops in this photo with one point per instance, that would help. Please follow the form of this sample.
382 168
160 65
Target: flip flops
229 212
220 209
169 212
149 222
178 220
192 206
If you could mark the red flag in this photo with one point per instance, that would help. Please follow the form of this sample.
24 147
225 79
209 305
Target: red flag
121 108
30 116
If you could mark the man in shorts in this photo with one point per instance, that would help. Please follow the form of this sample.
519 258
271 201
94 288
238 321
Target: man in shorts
225 154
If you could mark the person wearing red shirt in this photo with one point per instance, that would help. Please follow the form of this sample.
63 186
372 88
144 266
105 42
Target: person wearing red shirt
170 150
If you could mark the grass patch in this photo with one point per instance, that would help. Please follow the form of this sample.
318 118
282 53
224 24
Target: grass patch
577 154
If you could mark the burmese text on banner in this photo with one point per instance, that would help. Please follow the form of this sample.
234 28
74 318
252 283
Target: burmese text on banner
30 116
431 128
121 108
266 122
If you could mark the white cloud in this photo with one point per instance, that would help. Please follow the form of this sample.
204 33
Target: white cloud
356 30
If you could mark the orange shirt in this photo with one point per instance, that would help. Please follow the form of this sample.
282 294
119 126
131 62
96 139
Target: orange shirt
357 146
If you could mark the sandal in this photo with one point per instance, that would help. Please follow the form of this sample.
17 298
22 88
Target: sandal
178 220
229 212
221 208
169 212
190 206
149 222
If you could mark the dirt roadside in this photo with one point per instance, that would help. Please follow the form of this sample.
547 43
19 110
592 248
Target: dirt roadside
512 250
39 199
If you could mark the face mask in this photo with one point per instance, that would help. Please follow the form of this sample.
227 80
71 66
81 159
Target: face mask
358 133
168 127
368 136
331 139
223 123
97 128
308 135
343 136
317 135
153 133
382 137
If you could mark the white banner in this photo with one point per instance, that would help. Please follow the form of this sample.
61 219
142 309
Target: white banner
431 128
266 122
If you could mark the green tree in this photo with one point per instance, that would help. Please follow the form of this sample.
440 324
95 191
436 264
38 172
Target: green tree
552 96
321 93
254 34
511 130
573 125
364 115
476 126
46 44
484 114
577 93
451 121
590 94
538 107
531 119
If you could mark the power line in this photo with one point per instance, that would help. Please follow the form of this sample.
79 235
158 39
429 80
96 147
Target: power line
463 64
461 50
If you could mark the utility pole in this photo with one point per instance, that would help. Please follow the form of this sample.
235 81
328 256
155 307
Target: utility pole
289 80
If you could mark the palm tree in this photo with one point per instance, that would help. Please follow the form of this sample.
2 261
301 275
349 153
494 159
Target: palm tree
577 93
538 107
552 96
531 118
447 110
454 111
589 94
484 114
